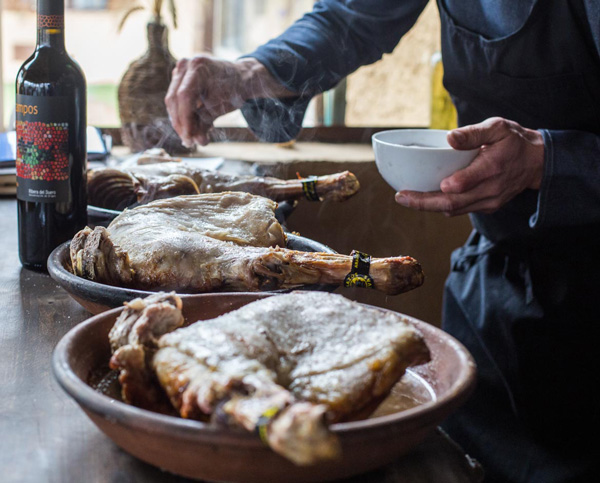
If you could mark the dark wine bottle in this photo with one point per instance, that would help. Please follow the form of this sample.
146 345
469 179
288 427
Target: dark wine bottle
51 142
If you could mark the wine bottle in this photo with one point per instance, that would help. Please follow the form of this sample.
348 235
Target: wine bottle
51 142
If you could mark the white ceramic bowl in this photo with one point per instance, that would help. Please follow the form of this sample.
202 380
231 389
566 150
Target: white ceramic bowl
417 159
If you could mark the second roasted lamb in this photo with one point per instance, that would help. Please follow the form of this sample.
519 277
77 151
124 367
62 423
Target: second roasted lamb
215 242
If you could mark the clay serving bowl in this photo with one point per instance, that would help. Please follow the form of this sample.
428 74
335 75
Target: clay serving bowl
97 297
197 450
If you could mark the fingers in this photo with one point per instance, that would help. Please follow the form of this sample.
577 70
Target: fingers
510 160
188 101
184 101
202 89
489 131
481 199
483 167
204 122
171 97
435 201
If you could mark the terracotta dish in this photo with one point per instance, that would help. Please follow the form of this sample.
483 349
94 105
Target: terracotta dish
197 450
97 297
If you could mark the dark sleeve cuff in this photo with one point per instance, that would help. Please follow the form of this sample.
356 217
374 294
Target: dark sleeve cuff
538 218
570 191
275 120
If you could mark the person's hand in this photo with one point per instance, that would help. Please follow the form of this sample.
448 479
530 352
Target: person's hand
203 88
510 160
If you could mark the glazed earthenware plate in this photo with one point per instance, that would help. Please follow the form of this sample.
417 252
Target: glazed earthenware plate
98 297
423 398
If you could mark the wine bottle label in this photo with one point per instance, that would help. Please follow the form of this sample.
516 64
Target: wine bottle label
43 149
51 21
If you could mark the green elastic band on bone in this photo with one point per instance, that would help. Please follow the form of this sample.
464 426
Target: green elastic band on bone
359 274
309 186
263 423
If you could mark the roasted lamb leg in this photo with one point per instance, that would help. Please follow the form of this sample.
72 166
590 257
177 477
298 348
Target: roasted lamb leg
156 178
134 341
212 242
285 366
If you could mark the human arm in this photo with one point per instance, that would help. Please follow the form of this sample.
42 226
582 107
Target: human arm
203 88
319 50
274 84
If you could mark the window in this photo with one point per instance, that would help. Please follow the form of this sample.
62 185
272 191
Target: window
87 4
243 25
240 26
231 30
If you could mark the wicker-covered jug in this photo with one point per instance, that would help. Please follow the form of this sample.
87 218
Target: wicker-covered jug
144 120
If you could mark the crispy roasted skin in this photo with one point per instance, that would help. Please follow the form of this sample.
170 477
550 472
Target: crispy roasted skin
211 242
237 217
134 341
306 359
117 188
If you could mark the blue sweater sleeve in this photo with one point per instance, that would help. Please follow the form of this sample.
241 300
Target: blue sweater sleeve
570 190
319 50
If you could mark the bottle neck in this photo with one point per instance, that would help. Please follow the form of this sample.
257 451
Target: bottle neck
51 24
157 36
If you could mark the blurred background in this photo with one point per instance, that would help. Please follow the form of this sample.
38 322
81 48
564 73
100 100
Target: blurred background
393 92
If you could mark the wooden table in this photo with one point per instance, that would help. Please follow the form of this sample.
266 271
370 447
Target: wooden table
45 437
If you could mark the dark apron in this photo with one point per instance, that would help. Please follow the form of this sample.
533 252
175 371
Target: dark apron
523 301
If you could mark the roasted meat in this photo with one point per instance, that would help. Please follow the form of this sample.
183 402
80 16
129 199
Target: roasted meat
285 366
157 176
211 242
